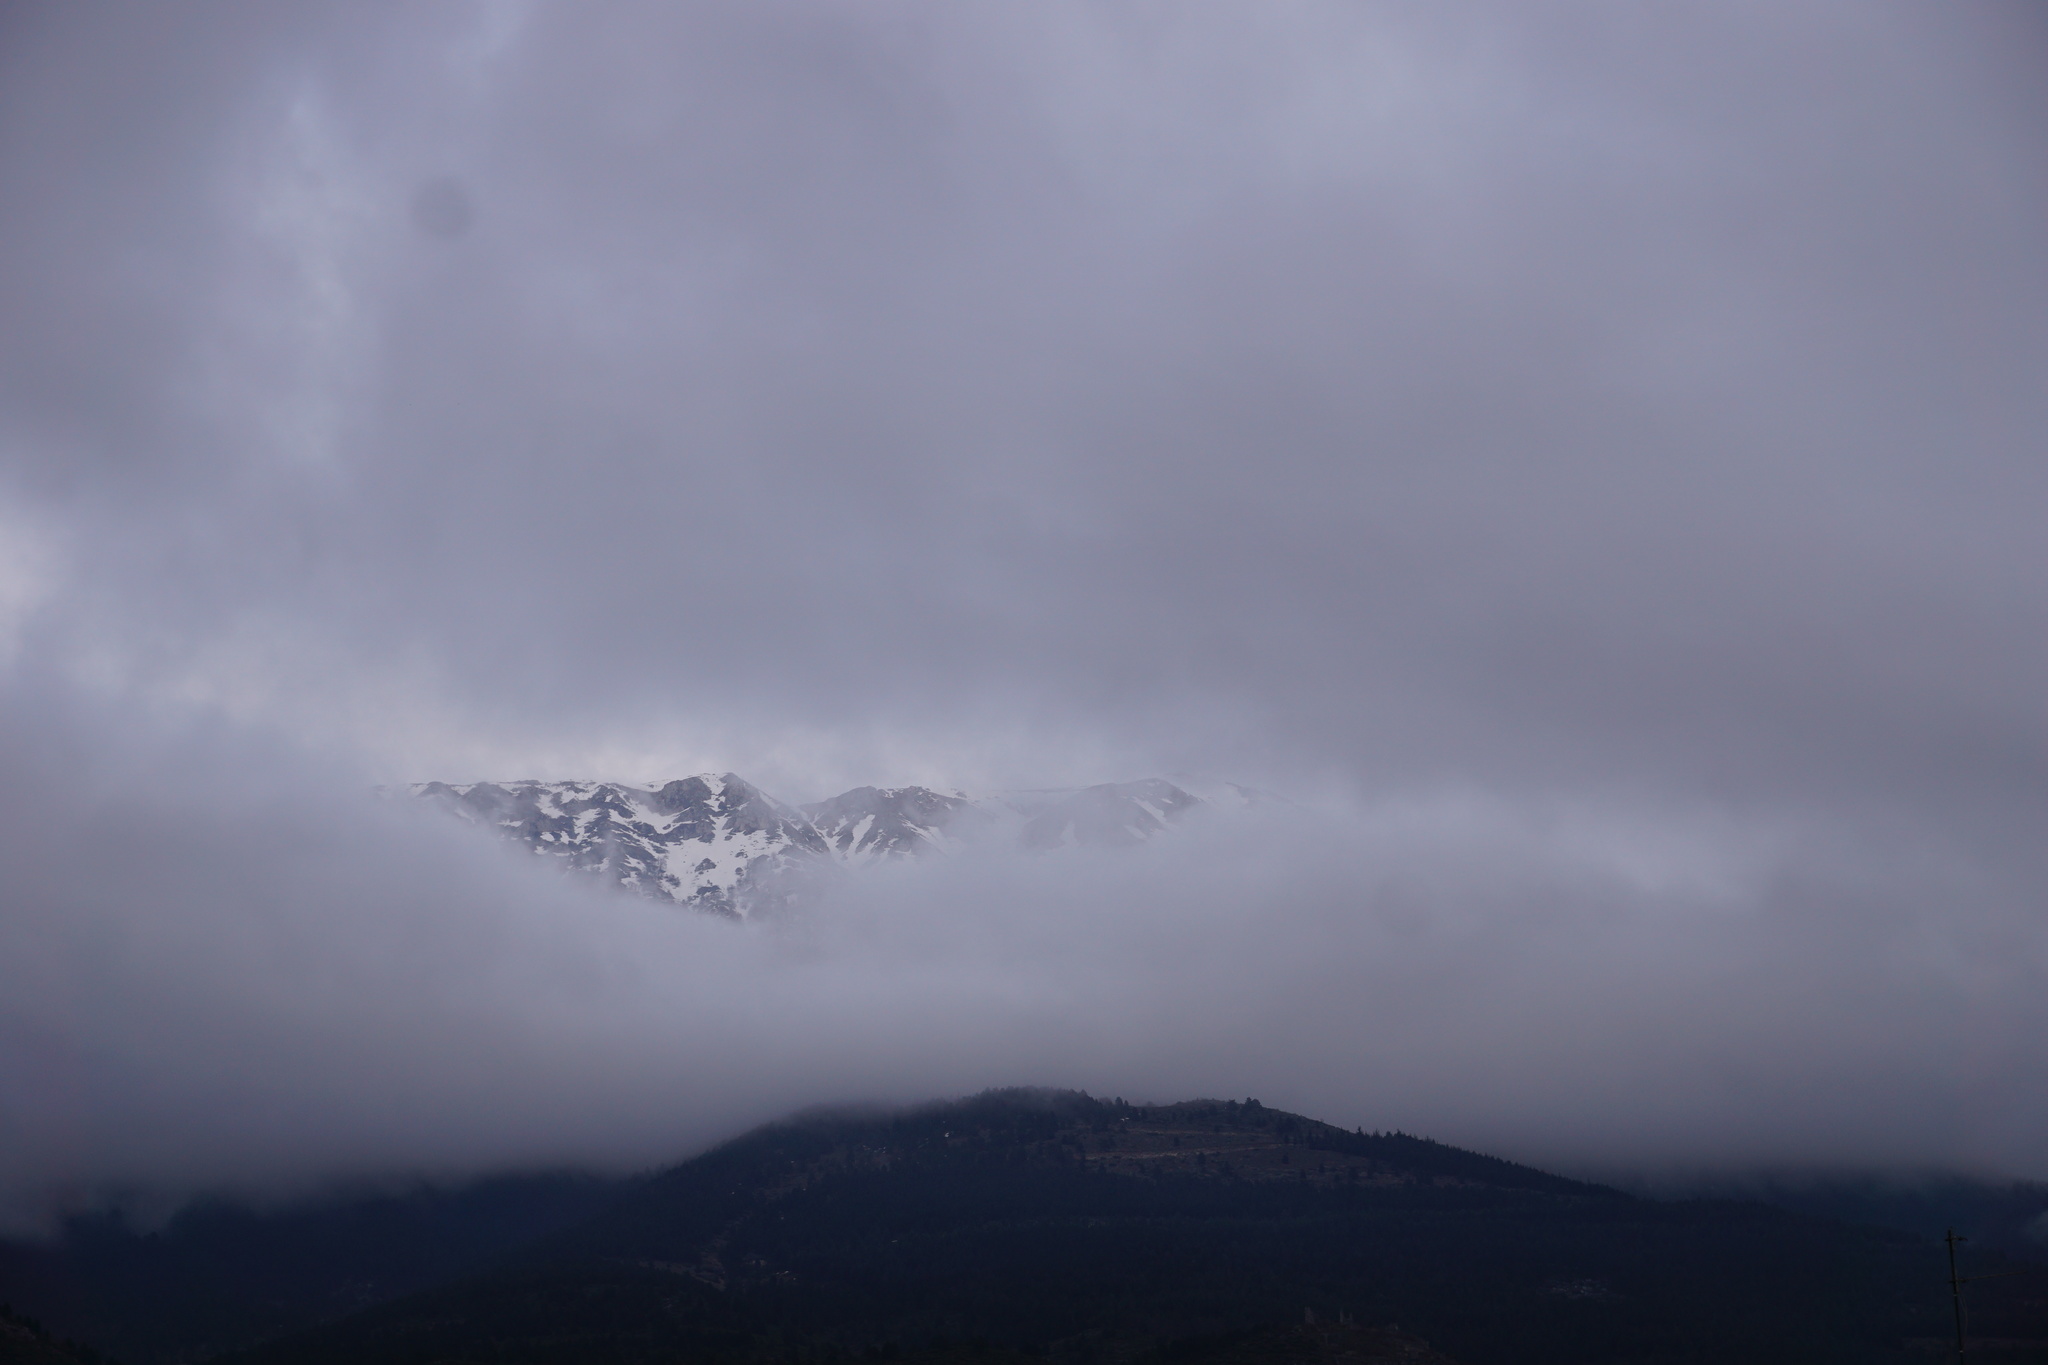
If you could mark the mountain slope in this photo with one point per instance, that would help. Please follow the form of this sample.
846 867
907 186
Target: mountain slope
713 841
884 822
717 843
1073 1229
1113 814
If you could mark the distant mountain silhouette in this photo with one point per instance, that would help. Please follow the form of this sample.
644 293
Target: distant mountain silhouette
1051 1226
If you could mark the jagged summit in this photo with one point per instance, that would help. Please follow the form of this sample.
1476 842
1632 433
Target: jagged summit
713 840
882 822
718 843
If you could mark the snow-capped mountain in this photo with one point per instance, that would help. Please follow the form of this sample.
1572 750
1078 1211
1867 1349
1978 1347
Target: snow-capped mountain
712 841
719 844
883 822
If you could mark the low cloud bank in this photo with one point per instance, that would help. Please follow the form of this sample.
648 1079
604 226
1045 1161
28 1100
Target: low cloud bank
1602 446
222 968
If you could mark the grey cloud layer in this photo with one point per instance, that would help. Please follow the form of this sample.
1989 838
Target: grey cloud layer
1580 394
219 974
1587 408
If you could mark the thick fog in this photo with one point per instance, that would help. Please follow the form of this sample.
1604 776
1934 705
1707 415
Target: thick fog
1588 456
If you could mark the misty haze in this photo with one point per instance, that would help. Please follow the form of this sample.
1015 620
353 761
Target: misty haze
1096 681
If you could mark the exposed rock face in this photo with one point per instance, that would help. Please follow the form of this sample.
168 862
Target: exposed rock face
714 842
882 822
719 844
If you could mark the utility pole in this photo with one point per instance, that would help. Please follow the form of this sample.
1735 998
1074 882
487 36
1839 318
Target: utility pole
1955 1289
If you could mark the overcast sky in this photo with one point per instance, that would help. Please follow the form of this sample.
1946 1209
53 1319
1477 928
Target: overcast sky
1589 454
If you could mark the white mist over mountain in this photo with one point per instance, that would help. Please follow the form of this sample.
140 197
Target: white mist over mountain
1576 467
223 971
717 843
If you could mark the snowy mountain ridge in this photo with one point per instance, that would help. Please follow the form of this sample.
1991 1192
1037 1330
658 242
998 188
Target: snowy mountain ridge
717 843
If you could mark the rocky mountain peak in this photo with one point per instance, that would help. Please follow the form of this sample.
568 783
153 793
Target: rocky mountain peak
884 822
717 843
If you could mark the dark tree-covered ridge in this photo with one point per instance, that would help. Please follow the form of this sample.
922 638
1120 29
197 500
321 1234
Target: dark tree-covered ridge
1070 1228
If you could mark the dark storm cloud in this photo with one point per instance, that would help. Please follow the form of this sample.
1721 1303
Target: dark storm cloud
1587 408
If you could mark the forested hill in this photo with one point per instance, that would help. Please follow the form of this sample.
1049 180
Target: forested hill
1056 1226
1035 1136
